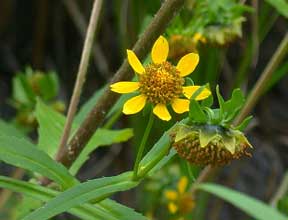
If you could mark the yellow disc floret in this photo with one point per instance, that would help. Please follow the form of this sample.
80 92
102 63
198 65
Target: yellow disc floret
161 83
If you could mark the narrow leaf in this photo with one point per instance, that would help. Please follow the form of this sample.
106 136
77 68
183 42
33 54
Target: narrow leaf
280 5
95 190
196 113
106 209
21 153
251 206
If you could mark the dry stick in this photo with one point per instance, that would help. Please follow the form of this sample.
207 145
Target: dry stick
108 99
254 96
81 76
81 25
261 84
282 190
5 194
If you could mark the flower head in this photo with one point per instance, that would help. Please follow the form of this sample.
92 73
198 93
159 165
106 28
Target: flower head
209 144
180 201
160 83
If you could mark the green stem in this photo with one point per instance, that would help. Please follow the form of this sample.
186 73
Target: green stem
142 145
112 120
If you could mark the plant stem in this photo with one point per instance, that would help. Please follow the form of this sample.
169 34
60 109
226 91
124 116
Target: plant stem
81 76
142 145
261 84
96 116
5 194
282 190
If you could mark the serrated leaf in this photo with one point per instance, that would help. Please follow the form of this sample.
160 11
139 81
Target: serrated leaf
106 209
95 190
21 153
251 206
280 5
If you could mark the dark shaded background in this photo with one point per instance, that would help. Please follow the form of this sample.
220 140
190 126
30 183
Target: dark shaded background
43 34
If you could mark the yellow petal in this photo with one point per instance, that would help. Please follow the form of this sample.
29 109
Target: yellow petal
160 50
187 64
162 112
182 184
180 105
124 87
134 62
188 91
170 195
172 207
134 105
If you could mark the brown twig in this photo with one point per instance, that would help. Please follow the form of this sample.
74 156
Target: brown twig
81 25
80 77
282 189
108 99
5 194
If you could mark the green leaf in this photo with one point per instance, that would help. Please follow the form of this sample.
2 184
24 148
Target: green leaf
22 91
49 86
21 153
208 102
251 206
233 105
107 209
51 125
157 157
196 114
102 137
280 5
244 123
221 103
9 130
88 106
95 190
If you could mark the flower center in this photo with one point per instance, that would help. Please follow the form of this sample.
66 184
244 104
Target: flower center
161 83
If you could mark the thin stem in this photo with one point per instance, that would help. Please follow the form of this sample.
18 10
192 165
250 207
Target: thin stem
282 190
261 84
81 76
142 145
5 194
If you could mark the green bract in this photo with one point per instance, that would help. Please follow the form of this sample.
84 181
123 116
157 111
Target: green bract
209 137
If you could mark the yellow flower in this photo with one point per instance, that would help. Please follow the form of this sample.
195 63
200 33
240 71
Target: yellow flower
180 201
160 83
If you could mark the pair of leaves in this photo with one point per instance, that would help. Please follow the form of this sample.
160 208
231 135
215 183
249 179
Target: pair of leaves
106 209
92 190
